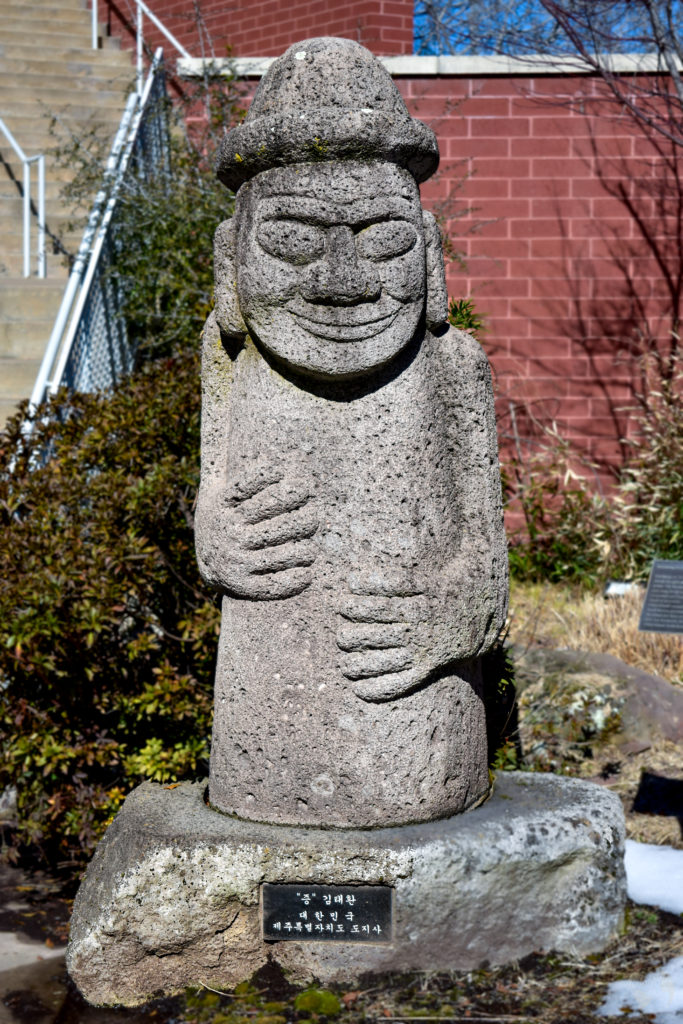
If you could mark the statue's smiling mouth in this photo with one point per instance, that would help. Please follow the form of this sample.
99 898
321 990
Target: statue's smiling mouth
344 323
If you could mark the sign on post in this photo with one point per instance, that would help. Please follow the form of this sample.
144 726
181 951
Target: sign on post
663 608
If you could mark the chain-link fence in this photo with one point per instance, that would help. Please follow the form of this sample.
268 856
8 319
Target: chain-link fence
89 348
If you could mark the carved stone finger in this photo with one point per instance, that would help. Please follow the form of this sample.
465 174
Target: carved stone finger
279 585
386 583
247 487
275 500
371 636
291 555
301 524
375 663
387 687
383 609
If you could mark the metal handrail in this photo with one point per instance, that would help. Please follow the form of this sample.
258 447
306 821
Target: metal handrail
39 159
52 369
141 10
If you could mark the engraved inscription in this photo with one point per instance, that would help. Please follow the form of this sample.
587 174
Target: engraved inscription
663 607
324 913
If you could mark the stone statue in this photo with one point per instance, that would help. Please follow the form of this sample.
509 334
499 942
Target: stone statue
350 507
350 514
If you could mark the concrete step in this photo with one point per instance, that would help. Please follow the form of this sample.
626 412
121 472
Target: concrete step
11 235
49 95
75 64
52 37
74 106
12 261
27 339
30 15
68 5
12 258
7 409
36 137
13 265
39 82
54 208
78 65
53 184
17 377
56 176
68 48
29 298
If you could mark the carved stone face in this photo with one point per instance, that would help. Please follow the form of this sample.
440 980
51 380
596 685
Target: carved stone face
331 264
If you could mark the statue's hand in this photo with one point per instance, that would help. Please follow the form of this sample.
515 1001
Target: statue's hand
263 547
383 635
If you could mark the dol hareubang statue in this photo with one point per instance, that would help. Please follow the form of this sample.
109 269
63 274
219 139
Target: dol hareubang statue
350 507
350 513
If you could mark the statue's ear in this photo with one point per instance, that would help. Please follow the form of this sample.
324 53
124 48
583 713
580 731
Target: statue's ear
226 306
436 310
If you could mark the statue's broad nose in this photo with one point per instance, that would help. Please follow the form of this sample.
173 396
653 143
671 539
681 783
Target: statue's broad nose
340 277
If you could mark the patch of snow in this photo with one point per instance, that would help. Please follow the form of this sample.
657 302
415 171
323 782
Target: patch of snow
17 951
660 993
654 875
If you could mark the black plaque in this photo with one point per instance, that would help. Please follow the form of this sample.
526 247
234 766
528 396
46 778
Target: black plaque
663 608
327 913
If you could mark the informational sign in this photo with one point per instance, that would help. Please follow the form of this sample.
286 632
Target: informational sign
326 913
663 608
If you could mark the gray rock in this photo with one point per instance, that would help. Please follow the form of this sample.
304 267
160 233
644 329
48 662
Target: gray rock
649 706
350 506
171 898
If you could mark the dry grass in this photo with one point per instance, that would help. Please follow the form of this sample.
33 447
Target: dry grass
559 617
556 617
662 758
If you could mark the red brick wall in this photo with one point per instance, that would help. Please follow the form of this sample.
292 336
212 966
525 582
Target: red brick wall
575 247
263 28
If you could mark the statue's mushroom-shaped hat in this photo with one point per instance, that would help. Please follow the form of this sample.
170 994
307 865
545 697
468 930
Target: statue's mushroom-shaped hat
326 99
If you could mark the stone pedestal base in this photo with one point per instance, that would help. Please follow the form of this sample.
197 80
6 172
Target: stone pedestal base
172 896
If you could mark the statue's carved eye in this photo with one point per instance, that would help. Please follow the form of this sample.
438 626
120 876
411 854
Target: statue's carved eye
292 240
385 240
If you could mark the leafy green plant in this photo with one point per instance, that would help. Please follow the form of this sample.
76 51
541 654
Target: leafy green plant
318 1001
566 524
575 535
463 314
500 703
649 506
107 635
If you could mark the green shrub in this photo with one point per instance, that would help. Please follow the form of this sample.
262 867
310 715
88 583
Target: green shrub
565 522
649 506
107 635
573 534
